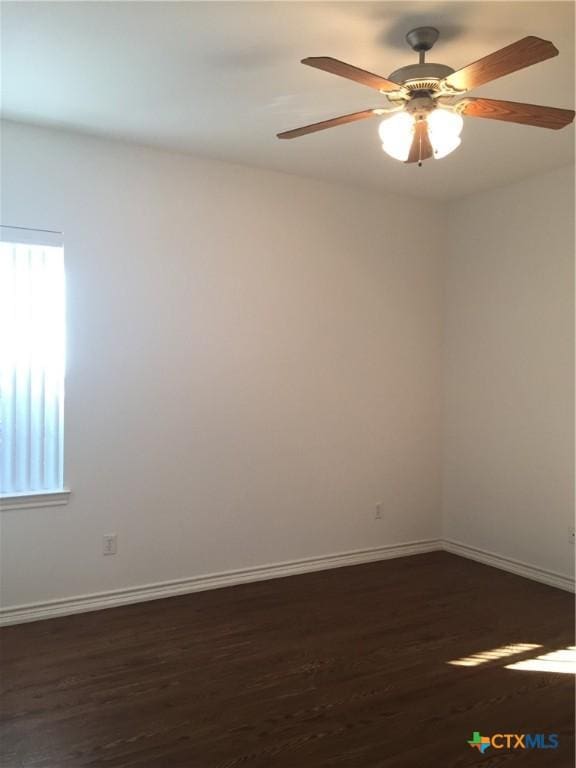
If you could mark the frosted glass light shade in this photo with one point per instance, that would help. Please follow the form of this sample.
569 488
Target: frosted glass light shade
396 134
444 128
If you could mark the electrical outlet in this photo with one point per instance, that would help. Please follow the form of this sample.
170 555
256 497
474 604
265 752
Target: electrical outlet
378 514
571 535
110 544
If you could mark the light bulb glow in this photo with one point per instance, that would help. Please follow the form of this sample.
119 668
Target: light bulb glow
444 128
396 134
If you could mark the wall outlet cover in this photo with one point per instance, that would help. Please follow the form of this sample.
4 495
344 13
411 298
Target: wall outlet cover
110 544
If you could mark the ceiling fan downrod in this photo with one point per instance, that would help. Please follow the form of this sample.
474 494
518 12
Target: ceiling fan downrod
421 40
422 76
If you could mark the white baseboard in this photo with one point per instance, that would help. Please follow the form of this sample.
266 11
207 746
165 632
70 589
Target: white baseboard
508 564
97 601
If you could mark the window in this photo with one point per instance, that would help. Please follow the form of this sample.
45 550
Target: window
32 358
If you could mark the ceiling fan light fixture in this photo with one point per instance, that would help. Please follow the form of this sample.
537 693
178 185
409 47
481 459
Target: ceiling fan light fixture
444 129
427 127
445 147
396 134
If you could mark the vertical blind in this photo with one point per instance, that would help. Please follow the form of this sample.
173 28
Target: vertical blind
32 360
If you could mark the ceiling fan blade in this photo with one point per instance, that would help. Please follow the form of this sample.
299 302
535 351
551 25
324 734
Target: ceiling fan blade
530 50
342 120
515 112
421 148
336 67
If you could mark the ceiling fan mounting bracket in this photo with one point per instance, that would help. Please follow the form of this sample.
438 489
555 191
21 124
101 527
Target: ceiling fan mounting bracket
461 105
396 96
422 76
421 39
445 89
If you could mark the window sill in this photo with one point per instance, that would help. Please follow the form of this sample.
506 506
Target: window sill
33 500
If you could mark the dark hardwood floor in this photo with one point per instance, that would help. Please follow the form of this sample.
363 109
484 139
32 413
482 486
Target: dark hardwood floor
339 669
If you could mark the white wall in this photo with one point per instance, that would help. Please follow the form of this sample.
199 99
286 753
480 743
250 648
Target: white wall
253 363
509 372
255 360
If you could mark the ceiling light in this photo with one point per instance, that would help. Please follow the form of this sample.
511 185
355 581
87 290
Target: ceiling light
432 124
444 129
396 133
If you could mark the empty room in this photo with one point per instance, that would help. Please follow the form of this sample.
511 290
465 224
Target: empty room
287 343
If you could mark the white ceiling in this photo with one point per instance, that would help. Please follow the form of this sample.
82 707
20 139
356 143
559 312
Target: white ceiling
220 79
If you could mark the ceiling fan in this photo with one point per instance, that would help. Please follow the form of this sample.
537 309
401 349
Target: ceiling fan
424 99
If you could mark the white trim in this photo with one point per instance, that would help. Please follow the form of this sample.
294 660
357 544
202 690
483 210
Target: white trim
533 572
97 601
29 236
33 500
100 600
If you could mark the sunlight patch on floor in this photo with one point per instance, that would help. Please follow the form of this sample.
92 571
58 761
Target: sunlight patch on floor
563 661
482 657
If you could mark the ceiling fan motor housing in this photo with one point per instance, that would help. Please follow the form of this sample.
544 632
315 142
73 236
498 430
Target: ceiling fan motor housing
421 77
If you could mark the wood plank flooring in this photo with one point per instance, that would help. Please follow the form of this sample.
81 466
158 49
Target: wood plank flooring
340 669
